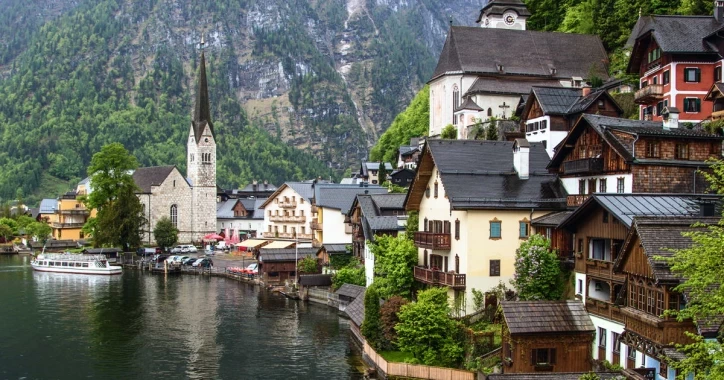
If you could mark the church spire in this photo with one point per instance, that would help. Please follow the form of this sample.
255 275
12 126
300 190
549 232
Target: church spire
202 111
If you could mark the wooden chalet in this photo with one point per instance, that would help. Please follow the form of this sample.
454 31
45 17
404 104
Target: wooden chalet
374 215
546 336
606 155
649 290
280 264
716 96
561 239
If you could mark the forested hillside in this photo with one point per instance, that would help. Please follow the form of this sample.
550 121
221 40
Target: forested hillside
299 88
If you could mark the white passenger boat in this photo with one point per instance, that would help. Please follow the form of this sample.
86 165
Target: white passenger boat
71 263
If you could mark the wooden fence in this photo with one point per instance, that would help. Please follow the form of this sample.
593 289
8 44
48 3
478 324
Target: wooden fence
415 370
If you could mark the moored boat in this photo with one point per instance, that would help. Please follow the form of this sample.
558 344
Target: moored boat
71 263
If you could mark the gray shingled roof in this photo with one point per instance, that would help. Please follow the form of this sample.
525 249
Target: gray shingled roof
259 187
477 50
304 189
225 210
480 174
356 309
286 254
145 178
376 165
48 206
556 100
535 317
677 34
371 207
552 219
349 290
335 249
468 104
384 223
492 85
315 279
341 197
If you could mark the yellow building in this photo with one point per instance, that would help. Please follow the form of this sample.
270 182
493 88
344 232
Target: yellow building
475 201
70 214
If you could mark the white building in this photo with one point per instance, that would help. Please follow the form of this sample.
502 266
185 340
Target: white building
333 202
288 212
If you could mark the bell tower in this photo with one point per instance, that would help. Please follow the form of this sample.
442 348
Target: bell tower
504 14
201 159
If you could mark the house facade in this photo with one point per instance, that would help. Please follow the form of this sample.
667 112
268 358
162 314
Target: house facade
475 201
69 217
550 113
481 74
369 171
239 219
678 60
613 155
288 212
333 203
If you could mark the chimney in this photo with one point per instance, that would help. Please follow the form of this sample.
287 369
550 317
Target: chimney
521 158
671 118
585 90
719 10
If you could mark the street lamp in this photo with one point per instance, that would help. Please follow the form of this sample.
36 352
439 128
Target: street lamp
296 260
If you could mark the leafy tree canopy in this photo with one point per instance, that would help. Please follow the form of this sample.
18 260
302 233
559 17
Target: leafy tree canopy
395 258
449 132
110 173
414 121
371 327
308 265
165 233
537 270
353 273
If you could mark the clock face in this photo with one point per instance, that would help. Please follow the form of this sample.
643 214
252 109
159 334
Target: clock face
509 18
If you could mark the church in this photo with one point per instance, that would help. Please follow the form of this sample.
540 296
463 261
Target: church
189 202
485 71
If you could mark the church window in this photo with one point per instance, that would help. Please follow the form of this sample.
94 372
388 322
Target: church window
490 112
174 183
456 101
174 215
192 157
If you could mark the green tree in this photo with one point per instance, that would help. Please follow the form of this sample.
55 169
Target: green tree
395 258
537 270
12 223
589 376
120 223
449 132
371 327
308 265
382 173
491 132
354 274
165 233
6 232
389 317
413 224
414 121
427 332
109 173
38 230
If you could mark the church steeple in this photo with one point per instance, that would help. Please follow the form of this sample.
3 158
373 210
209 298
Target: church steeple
202 111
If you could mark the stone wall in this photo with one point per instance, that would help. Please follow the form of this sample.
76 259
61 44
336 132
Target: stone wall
173 191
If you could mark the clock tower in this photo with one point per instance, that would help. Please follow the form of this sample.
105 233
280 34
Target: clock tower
504 14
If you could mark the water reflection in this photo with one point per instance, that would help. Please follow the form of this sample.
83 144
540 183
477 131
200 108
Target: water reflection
146 326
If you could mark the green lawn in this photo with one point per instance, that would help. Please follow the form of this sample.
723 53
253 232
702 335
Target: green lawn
397 356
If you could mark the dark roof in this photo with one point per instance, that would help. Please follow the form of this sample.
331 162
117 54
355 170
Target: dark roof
225 210
552 376
384 223
55 244
534 317
315 279
371 207
468 104
349 290
341 197
676 34
716 91
334 249
145 178
286 254
259 187
556 100
498 7
477 50
356 309
605 126
202 111
495 85
552 219
480 174
625 207
376 165
659 236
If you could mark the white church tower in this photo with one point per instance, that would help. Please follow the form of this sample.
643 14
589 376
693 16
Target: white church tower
504 14
201 161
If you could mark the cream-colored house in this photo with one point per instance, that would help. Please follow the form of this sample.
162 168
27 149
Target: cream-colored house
333 202
288 212
475 201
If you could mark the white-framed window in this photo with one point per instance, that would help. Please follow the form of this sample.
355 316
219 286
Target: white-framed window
620 184
174 215
692 74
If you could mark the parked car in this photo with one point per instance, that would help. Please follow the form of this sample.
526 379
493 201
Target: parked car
177 249
176 259
203 263
159 258
251 269
189 261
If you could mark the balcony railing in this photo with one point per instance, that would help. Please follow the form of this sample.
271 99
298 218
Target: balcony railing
649 93
287 218
67 225
604 309
288 204
314 224
576 200
77 211
316 243
314 209
436 277
429 240
585 165
716 115
604 270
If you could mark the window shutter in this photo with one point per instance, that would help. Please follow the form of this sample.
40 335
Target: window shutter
697 73
522 229
698 104
457 229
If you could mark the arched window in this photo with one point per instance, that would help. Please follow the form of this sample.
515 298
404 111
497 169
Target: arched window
456 102
490 112
174 216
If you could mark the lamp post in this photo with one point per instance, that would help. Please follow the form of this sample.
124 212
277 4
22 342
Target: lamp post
296 260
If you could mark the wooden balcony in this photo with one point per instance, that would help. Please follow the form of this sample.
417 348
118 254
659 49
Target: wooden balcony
287 218
716 115
576 200
650 93
314 209
316 243
662 332
439 278
67 225
602 269
604 309
429 240
288 204
583 166
315 225
76 211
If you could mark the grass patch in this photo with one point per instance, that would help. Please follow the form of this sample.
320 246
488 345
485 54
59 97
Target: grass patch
397 356
50 187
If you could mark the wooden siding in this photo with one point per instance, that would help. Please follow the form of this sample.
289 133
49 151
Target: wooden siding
699 150
667 179
635 261
590 145
573 352
593 227
608 109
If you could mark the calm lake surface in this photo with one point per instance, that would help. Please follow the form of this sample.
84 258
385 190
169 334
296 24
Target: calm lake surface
143 326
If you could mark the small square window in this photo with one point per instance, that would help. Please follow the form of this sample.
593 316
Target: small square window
666 77
602 337
495 230
524 229
692 74
494 268
692 105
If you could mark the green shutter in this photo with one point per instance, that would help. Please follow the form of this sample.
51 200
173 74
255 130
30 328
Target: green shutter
698 75
494 229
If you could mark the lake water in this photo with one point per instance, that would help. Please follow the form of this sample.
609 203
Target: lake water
143 326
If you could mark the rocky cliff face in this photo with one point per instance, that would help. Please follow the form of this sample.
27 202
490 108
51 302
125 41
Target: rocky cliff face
327 76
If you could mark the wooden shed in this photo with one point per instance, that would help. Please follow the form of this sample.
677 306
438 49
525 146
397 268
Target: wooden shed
546 336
